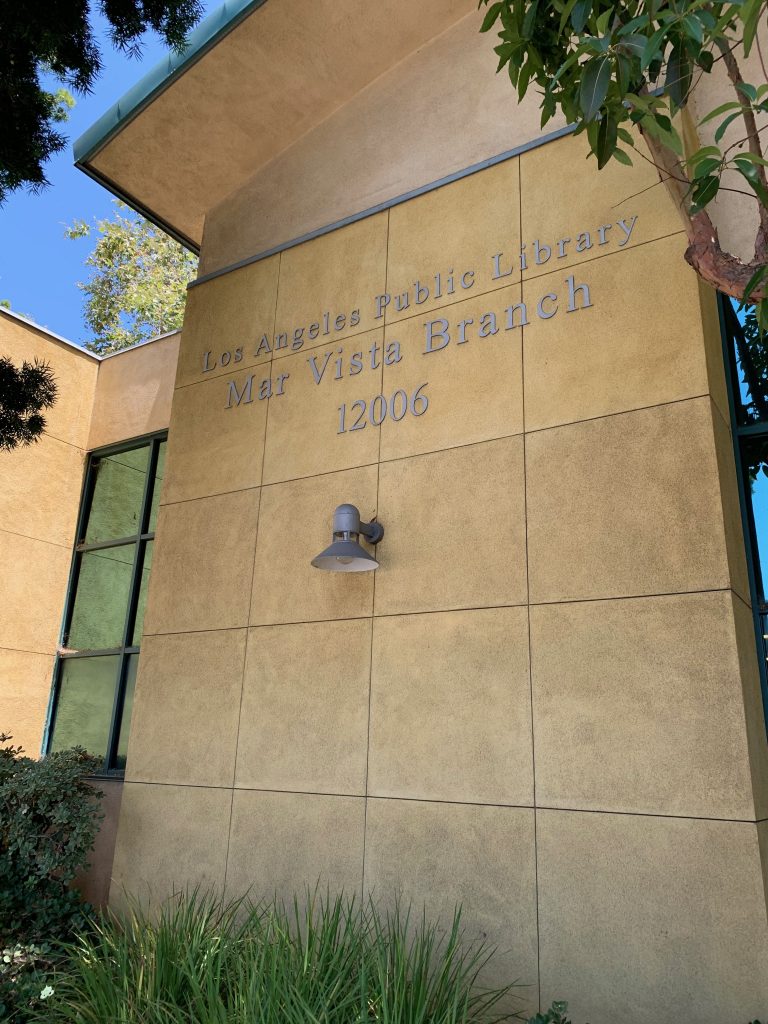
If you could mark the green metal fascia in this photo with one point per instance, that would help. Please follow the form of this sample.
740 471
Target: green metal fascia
203 38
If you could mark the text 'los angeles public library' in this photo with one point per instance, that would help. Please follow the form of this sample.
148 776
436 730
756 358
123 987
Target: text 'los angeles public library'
545 702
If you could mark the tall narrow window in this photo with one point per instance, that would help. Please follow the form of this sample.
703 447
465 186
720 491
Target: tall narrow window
747 371
104 618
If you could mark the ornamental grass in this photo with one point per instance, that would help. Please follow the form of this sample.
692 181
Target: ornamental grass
199 960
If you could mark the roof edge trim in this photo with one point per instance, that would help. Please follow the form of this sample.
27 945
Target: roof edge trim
80 348
49 333
143 211
205 36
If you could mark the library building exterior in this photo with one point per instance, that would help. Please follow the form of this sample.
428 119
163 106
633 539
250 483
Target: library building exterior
438 353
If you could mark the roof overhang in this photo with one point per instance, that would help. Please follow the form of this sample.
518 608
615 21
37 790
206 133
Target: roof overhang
254 77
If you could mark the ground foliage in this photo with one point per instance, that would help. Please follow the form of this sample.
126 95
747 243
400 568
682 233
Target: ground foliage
323 960
48 823
138 283
610 67
56 36
25 392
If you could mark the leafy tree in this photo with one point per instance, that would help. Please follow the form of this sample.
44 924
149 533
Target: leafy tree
55 36
24 392
609 66
138 287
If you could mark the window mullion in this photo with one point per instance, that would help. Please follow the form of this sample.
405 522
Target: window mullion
125 654
133 600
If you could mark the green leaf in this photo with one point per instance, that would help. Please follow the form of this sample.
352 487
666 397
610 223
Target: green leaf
594 86
750 15
706 167
678 81
652 48
703 153
693 28
705 60
622 157
606 140
723 127
668 136
580 15
529 21
704 192
491 16
731 105
750 172
748 90
604 20
634 43
566 14
753 158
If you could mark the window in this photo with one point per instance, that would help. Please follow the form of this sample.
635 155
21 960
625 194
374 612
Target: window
747 372
104 616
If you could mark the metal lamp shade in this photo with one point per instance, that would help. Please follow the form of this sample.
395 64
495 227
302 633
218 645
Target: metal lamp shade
345 556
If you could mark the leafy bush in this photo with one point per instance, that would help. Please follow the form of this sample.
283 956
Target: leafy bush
24 975
48 823
556 1014
334 962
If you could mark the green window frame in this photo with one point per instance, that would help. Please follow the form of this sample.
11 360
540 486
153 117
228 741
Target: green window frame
97 659
746 371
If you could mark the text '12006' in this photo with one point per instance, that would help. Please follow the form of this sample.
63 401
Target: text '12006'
375 411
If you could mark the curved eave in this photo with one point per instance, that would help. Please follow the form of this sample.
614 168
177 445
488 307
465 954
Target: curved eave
139 207
161 77
254 79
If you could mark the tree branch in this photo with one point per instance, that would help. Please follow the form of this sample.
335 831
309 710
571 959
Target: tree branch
753 144
721 269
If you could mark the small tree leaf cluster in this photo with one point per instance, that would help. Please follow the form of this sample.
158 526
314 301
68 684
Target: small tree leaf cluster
24 392
613 67
56 37
138 285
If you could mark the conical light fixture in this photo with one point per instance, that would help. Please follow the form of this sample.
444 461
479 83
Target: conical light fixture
345 554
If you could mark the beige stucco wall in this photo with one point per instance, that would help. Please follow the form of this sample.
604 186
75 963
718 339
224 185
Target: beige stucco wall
99 403
438 111
39 500
545 703
134 392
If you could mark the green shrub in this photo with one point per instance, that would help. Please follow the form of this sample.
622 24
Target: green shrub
332 963
48 823
556 1014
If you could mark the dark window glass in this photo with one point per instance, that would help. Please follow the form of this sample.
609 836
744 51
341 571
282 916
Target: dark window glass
101 599
104 619
755 456
118 492
86 699
747 372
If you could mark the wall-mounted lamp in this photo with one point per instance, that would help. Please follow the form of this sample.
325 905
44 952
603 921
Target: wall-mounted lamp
345 554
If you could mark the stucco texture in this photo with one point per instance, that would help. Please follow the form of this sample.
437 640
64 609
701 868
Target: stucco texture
99 402
536 705
39 500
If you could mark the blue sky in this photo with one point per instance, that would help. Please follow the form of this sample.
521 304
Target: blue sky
39 268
